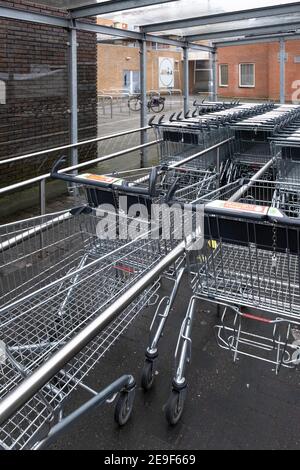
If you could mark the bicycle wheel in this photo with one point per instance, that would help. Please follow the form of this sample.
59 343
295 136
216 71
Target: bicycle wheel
134 103
157 105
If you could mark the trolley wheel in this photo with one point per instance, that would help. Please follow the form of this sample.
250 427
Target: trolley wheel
124 407
175 406
147 375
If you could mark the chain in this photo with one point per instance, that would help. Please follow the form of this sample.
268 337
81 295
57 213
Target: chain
274 258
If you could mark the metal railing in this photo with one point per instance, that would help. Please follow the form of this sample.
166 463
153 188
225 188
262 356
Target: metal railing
41 179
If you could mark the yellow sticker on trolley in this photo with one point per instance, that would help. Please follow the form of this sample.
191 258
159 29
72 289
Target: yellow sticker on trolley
101 178
246 207
239 206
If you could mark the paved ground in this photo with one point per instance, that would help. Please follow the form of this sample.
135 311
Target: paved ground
229 406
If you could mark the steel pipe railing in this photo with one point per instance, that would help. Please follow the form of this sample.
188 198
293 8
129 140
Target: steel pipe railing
71 146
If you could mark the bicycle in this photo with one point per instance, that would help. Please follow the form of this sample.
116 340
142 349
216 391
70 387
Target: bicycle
156 103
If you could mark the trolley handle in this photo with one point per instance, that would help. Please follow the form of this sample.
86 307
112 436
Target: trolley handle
282 219
150 191
172 190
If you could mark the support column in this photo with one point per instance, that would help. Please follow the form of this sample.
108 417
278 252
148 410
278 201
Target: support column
73 90
214 90
143 90
186 95
282 59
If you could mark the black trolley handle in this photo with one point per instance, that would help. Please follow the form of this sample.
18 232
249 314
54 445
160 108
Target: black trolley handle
151 191
283 220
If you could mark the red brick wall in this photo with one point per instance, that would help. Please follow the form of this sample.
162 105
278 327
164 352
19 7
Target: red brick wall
292 69
235 55
266 58
34 67
273 91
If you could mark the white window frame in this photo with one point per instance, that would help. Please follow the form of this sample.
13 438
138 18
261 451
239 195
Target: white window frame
240 75
199 70
223 85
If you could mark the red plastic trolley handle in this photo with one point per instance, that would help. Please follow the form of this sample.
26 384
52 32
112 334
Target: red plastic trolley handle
256 318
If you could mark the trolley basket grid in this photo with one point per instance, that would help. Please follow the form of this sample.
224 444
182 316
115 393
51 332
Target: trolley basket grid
50 313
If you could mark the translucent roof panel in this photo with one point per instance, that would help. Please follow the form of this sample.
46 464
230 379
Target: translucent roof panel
278 22
182 9
177 10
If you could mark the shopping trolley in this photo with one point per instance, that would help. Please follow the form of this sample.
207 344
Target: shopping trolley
249 268
248 162
205 107
75 286
145 186
272 119
181 136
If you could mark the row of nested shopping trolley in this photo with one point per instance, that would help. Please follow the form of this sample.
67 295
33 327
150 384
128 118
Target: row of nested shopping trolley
226 217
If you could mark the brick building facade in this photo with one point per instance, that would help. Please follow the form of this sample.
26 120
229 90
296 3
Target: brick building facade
115 60
266 79
34 89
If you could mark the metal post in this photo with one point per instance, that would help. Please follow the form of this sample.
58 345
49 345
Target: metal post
143 91
186 97
282 59
213 80
73 90
218 166
42 195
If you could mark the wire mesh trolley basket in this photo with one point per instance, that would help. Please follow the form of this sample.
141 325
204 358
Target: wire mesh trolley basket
76 293
249 267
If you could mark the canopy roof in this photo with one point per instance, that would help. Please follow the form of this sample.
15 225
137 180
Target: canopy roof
194 20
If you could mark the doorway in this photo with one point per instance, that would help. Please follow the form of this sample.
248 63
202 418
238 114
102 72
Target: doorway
131 81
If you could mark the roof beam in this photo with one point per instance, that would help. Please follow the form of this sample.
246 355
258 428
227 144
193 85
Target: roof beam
40 18
137 36
196 47
289 8
32 17
258 30
113 7
258 39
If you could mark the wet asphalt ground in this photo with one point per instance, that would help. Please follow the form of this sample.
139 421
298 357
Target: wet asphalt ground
228 406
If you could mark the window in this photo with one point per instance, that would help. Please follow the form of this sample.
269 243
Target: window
247 75
223 75
202 76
